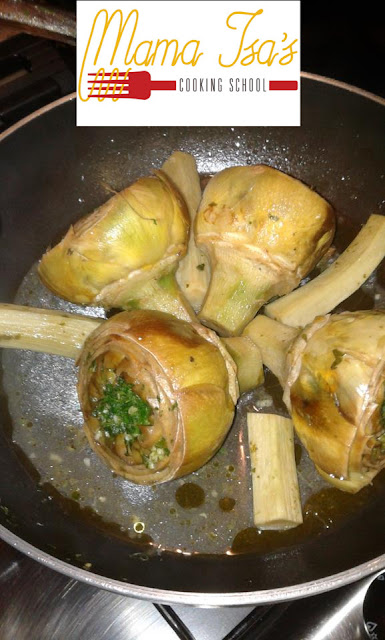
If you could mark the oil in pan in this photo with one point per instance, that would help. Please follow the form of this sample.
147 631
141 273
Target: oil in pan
209 511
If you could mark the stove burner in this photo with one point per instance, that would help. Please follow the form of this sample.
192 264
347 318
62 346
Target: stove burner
33 73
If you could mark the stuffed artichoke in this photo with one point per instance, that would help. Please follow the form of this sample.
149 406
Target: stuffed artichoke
125 254
158 395
263 232
335 391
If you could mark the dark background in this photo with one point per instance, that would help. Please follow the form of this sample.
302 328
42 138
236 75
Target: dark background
345 41
341 40
338 40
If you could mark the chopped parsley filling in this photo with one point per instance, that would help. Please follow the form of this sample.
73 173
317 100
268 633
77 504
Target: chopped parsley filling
378 450
158 452
382 415
381 438
338 356
121 410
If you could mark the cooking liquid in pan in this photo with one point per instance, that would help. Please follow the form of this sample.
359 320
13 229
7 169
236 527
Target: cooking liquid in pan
208 511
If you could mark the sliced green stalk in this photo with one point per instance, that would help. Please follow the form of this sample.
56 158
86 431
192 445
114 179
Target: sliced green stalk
338 282
247 357
44 330
273 340
239 286
193 273
276 498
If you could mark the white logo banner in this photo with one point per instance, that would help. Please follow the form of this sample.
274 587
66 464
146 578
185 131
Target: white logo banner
188 63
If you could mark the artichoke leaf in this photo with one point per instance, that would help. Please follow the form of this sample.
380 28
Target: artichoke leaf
193 273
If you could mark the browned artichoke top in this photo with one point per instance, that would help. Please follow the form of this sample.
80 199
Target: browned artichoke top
335 389
266 212
129 239
157 394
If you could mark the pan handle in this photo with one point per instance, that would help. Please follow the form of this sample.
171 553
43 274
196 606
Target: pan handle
373 608
39 20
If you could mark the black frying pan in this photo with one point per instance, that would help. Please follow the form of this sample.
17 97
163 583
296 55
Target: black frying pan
51 173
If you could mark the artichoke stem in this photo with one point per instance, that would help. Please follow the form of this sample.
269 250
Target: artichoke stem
337 282
44 330
248 359
274 340
276 497
162 294
239 287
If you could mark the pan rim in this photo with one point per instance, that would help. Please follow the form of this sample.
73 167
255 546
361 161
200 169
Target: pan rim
304 74
214 599
196 598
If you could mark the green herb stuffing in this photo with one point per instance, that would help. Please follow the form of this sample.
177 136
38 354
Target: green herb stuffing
338 355
382 414
158 452
381 440
378 450
131 305
121 410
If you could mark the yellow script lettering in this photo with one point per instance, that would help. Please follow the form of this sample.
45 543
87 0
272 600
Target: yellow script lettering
240 47
107 24
291 53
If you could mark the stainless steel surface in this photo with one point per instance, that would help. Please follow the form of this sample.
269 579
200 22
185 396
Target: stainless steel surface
39 604
330 616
